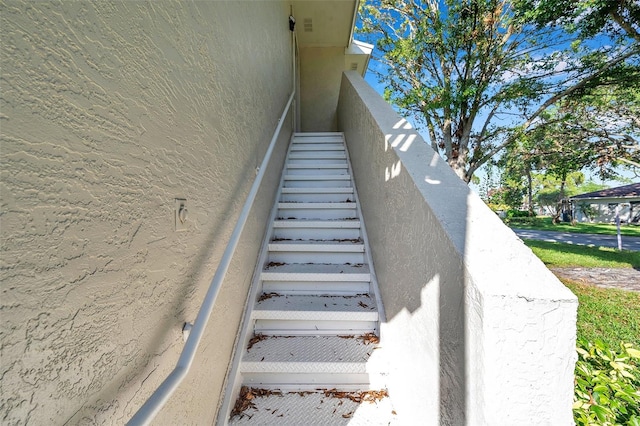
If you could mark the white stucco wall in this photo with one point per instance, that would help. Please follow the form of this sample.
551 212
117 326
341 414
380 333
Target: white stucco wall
478 330
109 111
320 75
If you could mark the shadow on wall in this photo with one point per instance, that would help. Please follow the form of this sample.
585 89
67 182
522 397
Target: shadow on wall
471 313
178 310
419 268
435 293
208 372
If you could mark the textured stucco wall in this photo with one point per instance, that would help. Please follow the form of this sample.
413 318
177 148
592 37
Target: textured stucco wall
320 75
478 330
109 111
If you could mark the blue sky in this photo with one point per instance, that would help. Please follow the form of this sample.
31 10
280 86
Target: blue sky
372 79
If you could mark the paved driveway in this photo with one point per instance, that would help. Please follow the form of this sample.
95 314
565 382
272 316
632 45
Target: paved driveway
628 243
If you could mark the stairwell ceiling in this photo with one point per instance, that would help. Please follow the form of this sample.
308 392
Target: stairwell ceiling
324 23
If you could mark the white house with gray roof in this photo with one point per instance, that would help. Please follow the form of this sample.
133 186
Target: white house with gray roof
602 206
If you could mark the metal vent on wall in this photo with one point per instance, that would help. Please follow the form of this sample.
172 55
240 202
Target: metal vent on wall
354 66
308 25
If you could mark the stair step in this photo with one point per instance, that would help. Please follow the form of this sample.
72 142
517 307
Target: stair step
317 177
317 190
308 355
316 272
325 211
321 246
316 279
318 137
315 161
316 252
325 146
318 181
336 308
319 287
278 314
294 315
317 169
331 155
316 229
336 194
294 408
317 166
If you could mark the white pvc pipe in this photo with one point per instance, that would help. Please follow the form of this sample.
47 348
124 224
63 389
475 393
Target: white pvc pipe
154 404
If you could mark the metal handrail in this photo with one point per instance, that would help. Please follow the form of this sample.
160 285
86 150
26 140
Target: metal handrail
154 404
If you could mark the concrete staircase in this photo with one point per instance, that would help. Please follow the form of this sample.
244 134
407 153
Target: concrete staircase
312 350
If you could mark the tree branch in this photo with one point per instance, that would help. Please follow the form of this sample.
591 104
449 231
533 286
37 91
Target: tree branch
582 83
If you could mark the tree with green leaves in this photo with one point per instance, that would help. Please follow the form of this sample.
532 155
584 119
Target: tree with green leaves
455 67
570 137
599 115
475 74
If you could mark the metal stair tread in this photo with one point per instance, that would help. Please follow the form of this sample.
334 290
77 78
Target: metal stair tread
317 246
318 190
315 408
317 147
320 166
303 155
317 166
304 354
317 177
321 205
331 308
315 272
314 223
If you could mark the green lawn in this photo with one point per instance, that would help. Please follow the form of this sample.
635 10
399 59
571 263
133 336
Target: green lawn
567 255
610 315
607 314
545 224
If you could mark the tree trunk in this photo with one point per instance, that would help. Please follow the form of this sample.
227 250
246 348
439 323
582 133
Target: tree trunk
563 183
530 191
459 168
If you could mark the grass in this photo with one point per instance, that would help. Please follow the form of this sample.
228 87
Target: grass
570 255
545 224
610 315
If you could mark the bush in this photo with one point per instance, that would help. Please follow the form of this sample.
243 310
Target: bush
607 389
528 220
517 213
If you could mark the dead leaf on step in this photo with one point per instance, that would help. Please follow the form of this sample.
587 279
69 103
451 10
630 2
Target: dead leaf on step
265 296
369 338
347 240
243 402
357 397
255 339
265 392
348 415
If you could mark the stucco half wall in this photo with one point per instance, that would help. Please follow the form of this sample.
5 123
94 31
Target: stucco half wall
109 112
478 330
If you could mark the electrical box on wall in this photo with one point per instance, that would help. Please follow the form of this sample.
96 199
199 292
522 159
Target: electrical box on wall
180 214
